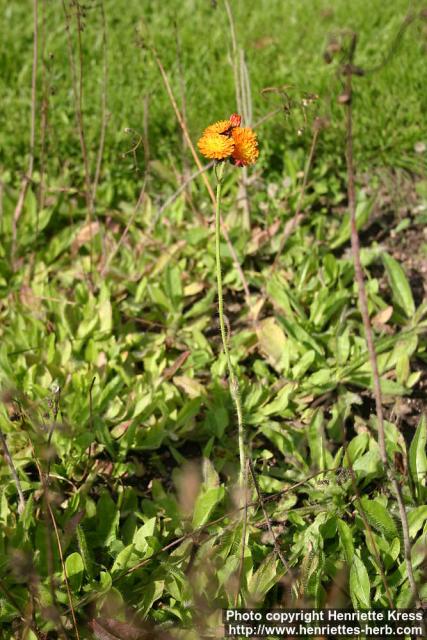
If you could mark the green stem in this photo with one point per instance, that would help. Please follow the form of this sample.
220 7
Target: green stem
233 381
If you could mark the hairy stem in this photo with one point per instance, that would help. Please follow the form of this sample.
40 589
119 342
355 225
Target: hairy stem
233 381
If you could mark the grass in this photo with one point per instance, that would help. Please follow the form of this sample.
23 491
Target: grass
115 411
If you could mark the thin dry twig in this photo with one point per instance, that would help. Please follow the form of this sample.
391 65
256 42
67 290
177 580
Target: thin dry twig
13 472
104 114
126 229
77 87
181 79
145 136
44 116
346 99
29 175
244 107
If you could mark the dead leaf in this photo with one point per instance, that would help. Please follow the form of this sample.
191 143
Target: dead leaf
109 629
382 317
84 235
169 372
272 341
191 387
28 297
193 288
261 237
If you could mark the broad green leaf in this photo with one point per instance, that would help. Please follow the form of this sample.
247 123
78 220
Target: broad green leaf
368 466
360 585
346 539
399 284
357 447
152 592
144 532
107 515
416 519
210 475
418 459
280 402
315 437
363 211
124 559
379 518
105 310
74 569
84 550
303 365
263 578
205 504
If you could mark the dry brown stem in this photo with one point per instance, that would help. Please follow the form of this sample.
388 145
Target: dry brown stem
363 304
29 174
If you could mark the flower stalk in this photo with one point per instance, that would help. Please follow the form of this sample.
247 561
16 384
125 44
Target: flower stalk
232 377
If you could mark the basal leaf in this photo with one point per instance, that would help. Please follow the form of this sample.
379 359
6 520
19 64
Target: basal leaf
399 284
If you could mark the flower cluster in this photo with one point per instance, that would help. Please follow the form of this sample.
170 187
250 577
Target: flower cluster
227 139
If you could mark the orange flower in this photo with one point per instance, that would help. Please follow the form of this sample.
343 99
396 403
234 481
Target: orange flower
216 146
246 146
222 127
227 139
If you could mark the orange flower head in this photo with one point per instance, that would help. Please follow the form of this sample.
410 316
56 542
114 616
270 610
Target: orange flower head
227 139
222 127
245 146
215 146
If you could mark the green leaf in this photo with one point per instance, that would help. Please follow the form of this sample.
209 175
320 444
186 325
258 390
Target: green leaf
141 535
74 569
357 447
416 519
280 402
124 559
399 284
263 578
315 440
152 592
346 539
205 504
379 518
107 515
84 550
105 310
418 459
363 211
303 365
359 584
368 466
